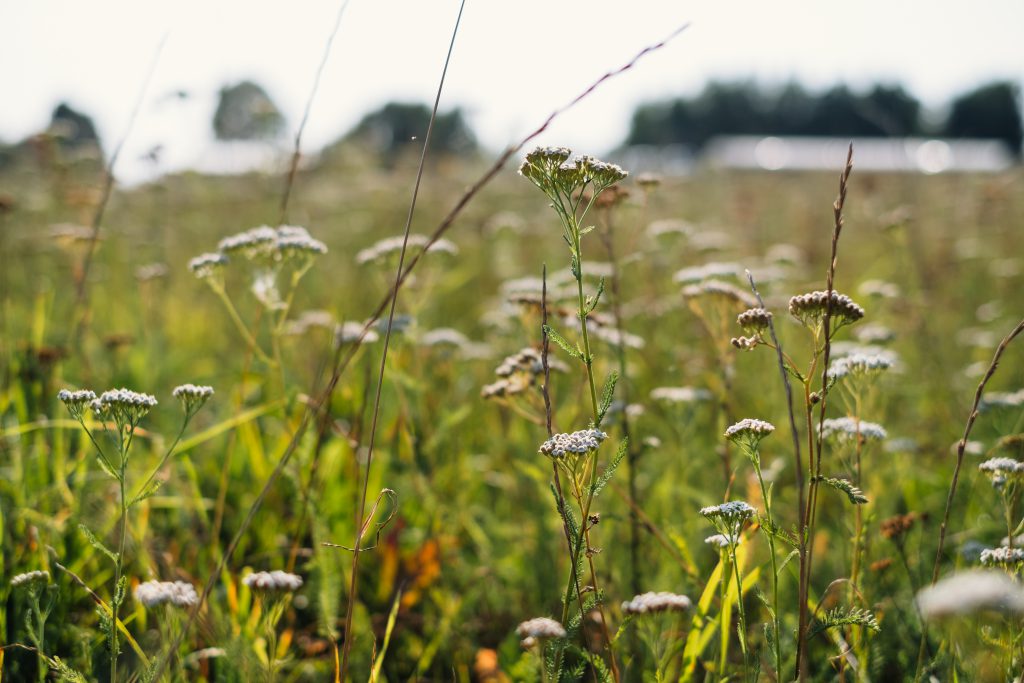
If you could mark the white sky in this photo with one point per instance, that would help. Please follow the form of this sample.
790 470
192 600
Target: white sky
514 60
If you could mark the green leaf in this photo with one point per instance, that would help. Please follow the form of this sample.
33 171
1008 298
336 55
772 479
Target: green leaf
788 559
584 231
560 340
105 466
145 493
602 481
846 616
592 301
607 394
96 543
855 495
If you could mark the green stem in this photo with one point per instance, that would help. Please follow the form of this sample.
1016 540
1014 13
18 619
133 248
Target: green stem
723 616
770 535
163 460
240 325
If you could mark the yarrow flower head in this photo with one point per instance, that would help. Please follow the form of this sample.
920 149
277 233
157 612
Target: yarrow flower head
389 246
1002 470
275 581
847 429
577 443
551 169
174 593
748 433
31 580
540 628
970 593
732 512
192 396
860 366
206 266
1003 557
1002 400
754 321
76 401
680 394
124 406
810 309
651 603
717 290
721 541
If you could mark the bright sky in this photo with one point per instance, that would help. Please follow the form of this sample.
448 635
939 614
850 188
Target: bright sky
514 61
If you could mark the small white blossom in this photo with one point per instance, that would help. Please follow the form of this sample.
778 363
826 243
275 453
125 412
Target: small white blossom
176 593
972 592
30 579
275 581
647 603
540 628
847 428
680 394
1002 556
732 511
207 265
580 442
749 429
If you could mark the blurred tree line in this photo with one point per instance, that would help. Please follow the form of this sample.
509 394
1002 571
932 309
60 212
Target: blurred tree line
746 108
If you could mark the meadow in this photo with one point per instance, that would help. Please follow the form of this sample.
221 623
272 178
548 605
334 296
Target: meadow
470 531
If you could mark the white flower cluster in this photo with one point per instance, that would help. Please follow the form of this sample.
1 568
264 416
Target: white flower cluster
76 401
680 394
648 603
192 392
847 428
720 290
349 331
392 245
207 265
1001 469
1002 399
707 271
972 592
176 593
29 579
720 540
810 308
612 336
275 581
860 365
123 405
732 511
1002 556
541 627
749 428
443 336
580 442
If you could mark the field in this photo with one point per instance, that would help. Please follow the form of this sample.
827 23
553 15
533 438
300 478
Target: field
464 539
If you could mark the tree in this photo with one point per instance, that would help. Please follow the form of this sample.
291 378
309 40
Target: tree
72 129
389 129
246 112
991 111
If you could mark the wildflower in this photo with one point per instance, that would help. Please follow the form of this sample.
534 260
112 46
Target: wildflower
716 289
275 581
175 593
732 511
745 343
252 244
583 441
391 245
300 245
1002 400
616 338
349 332
1003 557
444 336
76 401
124 406
1000 470
810 309
786 254
860 365
720 540
151 271
880 289
657 602
749 431
847 428
540 628
680 394
648 181
706 272
206 266
875 333
192 396
30 580
669 226
972 592
754 321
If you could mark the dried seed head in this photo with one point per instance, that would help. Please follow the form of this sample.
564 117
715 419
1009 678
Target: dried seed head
650 603
540 628
897 526
754 321
810 309
745 343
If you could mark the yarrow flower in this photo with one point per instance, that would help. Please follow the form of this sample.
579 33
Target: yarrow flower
972 592
749 432
648 603
732 511
207 265
722 291
580 442
392 245
810 309
76 401
519 372
175 593
754 321
860 365
707 271
124 406
1003 557
192 396
550 169
540 628
997 400
848 429
275 581
721 540
1000 470
680 394
30 580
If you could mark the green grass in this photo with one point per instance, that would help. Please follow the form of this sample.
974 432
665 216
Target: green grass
476 546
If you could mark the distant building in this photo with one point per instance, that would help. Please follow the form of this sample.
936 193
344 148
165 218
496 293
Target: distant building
897 155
